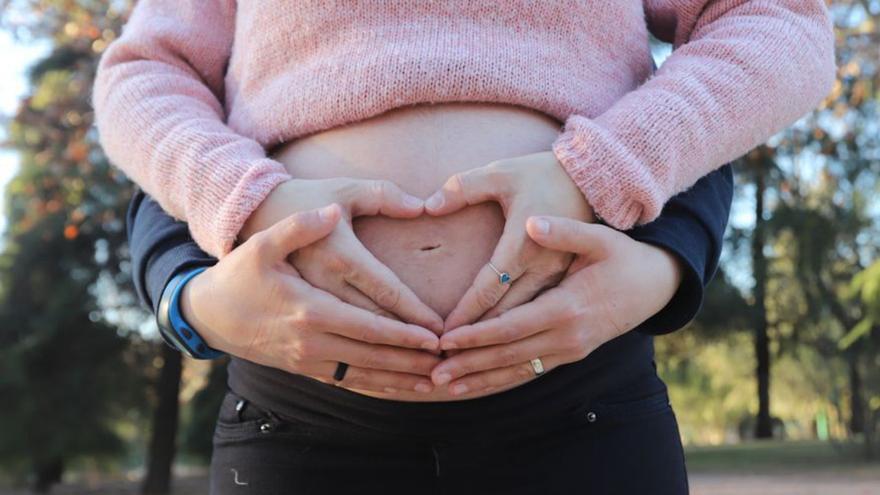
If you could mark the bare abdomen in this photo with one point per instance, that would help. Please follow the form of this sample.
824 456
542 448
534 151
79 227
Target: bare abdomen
419 147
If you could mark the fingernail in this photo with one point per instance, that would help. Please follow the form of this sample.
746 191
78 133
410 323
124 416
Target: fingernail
459 389
424 387
542 226
435 201
412 201
391 390
429 345
443 378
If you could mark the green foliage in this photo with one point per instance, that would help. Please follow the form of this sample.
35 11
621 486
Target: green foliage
865 288
69 375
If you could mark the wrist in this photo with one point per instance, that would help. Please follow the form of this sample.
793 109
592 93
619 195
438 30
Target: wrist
672 265
192 307
265 214
565 186
175 329
683 295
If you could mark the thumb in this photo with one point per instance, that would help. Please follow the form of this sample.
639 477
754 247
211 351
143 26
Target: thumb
383 197
464 189
566 234
300 230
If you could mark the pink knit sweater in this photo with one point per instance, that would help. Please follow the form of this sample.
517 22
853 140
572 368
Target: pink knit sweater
191 95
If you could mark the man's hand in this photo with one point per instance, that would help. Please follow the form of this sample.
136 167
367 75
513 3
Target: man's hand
254 305
614 284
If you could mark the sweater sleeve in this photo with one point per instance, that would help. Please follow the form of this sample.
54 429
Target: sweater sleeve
740 71
158 97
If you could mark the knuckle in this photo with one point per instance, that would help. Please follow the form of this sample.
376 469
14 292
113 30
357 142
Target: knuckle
292 365
387 296
371 359
499 170
402 382
508 333
368 331
423 364
507 356
570 310
456 183
572 342
302 350
558 262
380 188
524 372
465 368
338 264
487 296
259 241
477 382
306 316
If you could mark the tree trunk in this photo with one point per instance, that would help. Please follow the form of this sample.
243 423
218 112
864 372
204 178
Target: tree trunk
46 474
162 442
856 396
763 425
870 435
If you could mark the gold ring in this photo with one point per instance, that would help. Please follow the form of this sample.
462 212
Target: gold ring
537 366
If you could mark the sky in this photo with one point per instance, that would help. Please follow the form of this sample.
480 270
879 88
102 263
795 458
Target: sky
15 58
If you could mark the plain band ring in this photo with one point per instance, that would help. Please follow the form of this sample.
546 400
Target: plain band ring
503 277
341 368
537 366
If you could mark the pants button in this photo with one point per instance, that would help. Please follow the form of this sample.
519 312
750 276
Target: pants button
591 417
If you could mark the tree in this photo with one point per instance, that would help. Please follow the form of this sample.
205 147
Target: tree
64 258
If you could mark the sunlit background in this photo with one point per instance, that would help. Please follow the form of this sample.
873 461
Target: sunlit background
776 385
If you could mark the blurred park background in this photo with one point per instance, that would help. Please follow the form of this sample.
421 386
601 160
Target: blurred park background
776 385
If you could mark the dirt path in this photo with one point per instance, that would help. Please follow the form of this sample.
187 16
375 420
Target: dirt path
848 483
786 484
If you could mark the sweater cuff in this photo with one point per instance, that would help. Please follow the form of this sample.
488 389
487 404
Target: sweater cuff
222 216
621 190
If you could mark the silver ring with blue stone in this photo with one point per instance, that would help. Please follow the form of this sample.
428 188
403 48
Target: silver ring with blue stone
503 277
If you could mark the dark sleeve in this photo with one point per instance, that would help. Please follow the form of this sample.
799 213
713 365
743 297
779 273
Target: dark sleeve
160 247
692 227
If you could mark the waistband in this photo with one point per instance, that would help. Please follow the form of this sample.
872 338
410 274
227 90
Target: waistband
622 366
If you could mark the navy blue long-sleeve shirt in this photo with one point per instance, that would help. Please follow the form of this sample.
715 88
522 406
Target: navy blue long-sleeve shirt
691 226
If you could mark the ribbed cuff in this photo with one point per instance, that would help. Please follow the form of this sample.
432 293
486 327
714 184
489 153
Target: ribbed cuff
222 218
616 185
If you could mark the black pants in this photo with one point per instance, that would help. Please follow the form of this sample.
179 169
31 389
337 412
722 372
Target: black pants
609 447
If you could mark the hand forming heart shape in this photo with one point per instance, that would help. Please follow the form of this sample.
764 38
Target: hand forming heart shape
342 266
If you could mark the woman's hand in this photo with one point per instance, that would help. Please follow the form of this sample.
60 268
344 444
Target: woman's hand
534 184
254 305
614 284
339 263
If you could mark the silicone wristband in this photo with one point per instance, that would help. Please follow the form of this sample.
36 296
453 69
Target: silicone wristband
188 338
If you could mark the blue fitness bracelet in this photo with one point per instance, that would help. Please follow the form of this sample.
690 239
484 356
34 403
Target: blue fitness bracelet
174 328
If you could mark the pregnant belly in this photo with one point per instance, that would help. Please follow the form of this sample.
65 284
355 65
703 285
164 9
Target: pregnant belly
419 147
